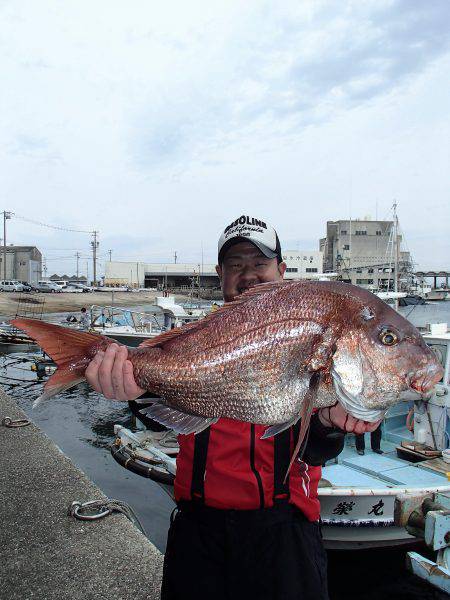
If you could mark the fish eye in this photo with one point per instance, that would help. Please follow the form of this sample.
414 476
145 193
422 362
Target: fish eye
388 337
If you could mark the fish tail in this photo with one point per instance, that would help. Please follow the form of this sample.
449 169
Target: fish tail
70 349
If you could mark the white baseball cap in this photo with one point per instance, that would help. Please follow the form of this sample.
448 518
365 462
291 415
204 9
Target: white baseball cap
250 229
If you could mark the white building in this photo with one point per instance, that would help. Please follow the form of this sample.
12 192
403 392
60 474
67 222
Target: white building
300 265
303 264
159 275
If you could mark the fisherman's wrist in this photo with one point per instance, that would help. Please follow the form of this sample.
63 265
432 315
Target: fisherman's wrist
326 429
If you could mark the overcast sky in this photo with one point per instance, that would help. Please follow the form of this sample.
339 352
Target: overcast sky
157 124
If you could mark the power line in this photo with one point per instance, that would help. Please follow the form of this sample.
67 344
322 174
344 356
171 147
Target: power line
50 226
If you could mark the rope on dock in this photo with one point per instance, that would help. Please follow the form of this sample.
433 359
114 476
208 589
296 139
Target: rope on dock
97 509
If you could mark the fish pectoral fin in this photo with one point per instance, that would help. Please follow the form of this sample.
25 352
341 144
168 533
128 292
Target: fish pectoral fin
276 429
323 352
178 421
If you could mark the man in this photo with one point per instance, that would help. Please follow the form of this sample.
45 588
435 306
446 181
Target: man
85 320
241 531
375 442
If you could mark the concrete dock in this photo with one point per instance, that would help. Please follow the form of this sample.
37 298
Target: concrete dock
45 554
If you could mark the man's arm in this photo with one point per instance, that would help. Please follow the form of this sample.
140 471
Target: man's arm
327 433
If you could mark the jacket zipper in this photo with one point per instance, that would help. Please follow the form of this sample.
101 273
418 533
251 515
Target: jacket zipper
253 468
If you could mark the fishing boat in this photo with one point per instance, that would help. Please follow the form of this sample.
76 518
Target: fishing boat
12 335
437 294
357 493
132 328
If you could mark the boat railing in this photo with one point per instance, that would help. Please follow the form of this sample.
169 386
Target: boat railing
112 316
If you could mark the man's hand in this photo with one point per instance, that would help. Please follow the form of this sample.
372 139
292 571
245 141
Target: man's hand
337 416
111 374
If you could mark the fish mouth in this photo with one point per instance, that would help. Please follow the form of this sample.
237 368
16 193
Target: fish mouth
425 381
353 404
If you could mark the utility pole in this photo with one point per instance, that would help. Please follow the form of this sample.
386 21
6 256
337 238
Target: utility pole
6 215
110 253
78 258
201 272
175 257
87 272
44 267
94 244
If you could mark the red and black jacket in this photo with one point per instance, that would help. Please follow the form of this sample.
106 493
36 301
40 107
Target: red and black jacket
229 466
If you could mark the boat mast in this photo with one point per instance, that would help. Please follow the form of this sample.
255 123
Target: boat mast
397 252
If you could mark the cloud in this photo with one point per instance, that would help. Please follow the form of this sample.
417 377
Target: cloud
168 120
284 72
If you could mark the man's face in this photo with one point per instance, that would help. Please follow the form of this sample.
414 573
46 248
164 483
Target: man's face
244 266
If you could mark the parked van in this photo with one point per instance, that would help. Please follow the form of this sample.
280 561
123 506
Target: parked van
11 285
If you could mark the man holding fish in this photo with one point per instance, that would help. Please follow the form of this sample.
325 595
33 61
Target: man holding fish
269 384
241 465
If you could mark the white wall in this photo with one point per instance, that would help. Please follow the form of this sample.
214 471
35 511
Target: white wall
303 264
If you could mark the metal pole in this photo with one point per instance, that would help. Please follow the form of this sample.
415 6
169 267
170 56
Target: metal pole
110 253
397 254
78 258
6 215
4 245
94 245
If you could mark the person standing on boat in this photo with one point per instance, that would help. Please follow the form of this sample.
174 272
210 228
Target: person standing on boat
85 320
241 531
375 442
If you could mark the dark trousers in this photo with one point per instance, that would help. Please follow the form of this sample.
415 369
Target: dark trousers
270 554
375 440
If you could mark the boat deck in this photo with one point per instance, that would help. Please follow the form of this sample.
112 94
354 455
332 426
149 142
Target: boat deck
377 471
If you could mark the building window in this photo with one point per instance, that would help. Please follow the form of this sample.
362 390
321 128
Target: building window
344 232
291 270
370 270
311 270
378 232
359 270
360 232
346 247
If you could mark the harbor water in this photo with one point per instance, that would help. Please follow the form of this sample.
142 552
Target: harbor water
81 423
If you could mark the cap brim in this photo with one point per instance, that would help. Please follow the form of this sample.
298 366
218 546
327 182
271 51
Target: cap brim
268 253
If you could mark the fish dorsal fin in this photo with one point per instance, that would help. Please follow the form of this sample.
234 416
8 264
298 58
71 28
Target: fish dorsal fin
249 294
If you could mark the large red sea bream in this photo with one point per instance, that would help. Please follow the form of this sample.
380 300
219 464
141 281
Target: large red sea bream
270 356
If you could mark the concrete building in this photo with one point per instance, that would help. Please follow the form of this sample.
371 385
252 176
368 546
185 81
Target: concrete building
23 263
363 253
